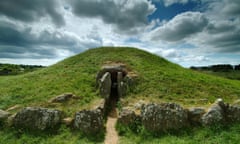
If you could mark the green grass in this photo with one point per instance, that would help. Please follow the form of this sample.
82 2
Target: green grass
233 75
197 135
158 80
63 136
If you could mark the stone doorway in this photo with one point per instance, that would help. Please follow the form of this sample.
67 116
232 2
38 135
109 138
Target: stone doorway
111 82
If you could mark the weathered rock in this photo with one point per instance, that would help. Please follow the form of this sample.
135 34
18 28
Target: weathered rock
62 98
195 114
119 84
124 88
101 105
232 114
130 79
105 85
89 121
3 115
214 115
127 116
119 79
162 117
34 118
111 69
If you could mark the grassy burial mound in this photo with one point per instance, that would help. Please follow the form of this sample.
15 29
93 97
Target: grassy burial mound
157 80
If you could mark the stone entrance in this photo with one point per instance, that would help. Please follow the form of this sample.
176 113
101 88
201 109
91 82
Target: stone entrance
112 85
113 81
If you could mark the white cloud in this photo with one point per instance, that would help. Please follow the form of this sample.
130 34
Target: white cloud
180 27
216 29
171 2
25 42
32 10
209 32
127 16
223 9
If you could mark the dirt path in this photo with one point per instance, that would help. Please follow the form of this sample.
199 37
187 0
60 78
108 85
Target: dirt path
111 135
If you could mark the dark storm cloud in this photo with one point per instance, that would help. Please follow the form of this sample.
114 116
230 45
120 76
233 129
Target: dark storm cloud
224 37
16 42
227 43
19 52
232 8
223 31
227 8
180 27
216 28
32 10
12 35
124 14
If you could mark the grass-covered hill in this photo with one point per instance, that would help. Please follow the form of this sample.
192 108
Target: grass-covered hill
158 80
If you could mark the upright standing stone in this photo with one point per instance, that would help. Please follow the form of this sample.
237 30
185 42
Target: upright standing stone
105 85
214 115
163 117
232 113
89 121
119 80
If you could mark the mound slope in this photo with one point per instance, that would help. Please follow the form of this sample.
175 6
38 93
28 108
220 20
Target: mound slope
158 80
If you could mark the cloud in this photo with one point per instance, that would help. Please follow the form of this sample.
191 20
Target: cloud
32 10
214 30
169 53
171 2
24 42
35 31
223 31
224 8
125 15
232 7
180 27
221 37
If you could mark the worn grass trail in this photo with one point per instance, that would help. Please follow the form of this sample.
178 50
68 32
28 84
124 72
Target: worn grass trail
111 135
111 132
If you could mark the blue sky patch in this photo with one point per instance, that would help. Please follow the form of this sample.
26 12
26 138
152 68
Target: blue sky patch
167 13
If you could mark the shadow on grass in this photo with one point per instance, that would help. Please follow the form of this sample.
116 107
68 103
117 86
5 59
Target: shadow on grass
18 133
61 133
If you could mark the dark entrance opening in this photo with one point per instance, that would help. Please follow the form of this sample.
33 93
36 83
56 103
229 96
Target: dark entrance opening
114 95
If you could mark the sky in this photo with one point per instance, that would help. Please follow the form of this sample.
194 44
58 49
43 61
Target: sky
186 32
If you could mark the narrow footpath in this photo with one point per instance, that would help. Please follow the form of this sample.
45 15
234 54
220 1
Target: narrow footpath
111 133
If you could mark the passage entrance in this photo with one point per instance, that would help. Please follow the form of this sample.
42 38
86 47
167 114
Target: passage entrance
115 92
111 85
